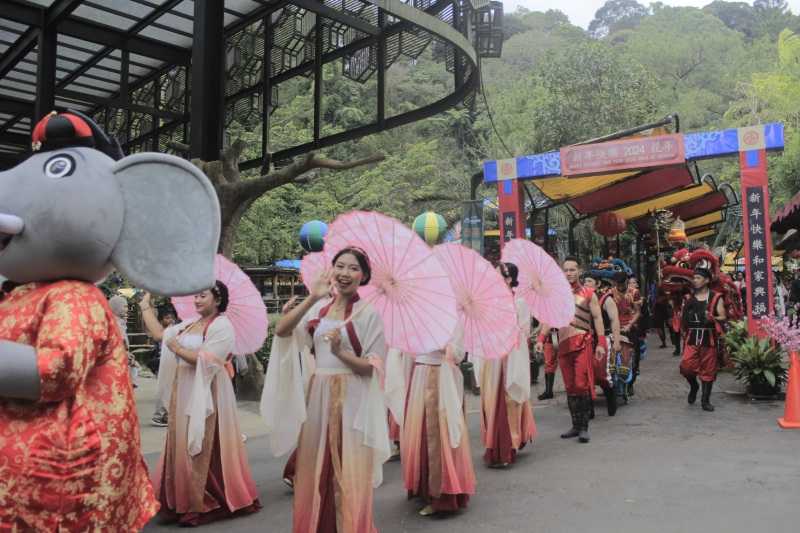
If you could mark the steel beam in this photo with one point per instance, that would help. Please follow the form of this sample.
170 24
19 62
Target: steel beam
334 14
30 15
25 43
118 103
45 74
207 80
9 104
318 81
17 139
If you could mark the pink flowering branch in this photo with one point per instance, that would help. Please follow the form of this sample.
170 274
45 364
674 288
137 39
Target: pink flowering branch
782 332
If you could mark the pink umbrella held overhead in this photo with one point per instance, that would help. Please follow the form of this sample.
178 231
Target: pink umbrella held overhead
246 309
312 266
409 288
486 308
542 283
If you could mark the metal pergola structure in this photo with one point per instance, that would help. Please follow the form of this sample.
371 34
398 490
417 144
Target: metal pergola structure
159 72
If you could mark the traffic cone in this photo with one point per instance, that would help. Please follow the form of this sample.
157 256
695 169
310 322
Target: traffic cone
791 413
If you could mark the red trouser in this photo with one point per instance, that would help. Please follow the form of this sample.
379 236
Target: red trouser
575 357
550 358
700 361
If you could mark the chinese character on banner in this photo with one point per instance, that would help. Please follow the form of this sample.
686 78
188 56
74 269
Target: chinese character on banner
758 289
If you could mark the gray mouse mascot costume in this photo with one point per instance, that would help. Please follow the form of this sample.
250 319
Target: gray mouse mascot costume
70 457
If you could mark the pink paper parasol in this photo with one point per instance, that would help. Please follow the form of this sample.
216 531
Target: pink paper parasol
542 283
312 266
246 309
409 288
485 304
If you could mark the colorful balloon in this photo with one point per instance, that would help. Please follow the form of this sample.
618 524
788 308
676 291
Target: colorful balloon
431 227
312 236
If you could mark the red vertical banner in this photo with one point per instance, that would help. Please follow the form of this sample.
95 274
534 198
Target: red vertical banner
512 211
757 238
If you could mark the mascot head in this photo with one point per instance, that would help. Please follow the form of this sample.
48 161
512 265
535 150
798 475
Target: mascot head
76 209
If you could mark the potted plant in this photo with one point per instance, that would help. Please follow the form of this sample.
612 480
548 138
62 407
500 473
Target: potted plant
759 365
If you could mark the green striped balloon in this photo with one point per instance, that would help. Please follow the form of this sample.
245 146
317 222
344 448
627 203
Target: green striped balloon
431 227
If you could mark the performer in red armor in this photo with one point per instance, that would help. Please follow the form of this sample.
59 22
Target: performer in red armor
611 327
700 314
576 351
629 311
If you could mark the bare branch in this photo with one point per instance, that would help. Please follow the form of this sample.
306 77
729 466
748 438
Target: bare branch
178 147
321 162
230 160
289 174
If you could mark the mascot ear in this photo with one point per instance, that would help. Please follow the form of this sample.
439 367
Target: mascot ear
171 227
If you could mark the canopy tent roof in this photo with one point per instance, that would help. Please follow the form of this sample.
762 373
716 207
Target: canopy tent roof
130 64
636 194
787 217
641 186
712 218
702 235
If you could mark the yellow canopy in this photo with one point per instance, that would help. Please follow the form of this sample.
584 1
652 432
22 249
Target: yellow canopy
731 260
561 188
702 235
665 202
705 220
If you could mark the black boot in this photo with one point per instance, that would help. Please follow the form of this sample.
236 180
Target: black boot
534 372
706 398
676 342
611 400
549 379
585 402
693 388
572 402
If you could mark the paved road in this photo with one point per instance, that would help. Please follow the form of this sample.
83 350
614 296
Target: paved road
658 466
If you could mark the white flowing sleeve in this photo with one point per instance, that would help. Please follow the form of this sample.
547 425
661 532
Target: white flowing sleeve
371 418
395 386
283 399
451 394
211 359
167 364
518 370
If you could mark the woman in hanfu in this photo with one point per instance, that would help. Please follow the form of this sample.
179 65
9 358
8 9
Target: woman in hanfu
203 474
342 424
507 423
434 445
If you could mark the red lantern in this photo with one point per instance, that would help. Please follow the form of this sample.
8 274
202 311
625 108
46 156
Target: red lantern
609 224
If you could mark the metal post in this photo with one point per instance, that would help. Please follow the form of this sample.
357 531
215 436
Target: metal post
318 45
572 224
381 74
547 229
125 94
47 44
266 91
207 79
